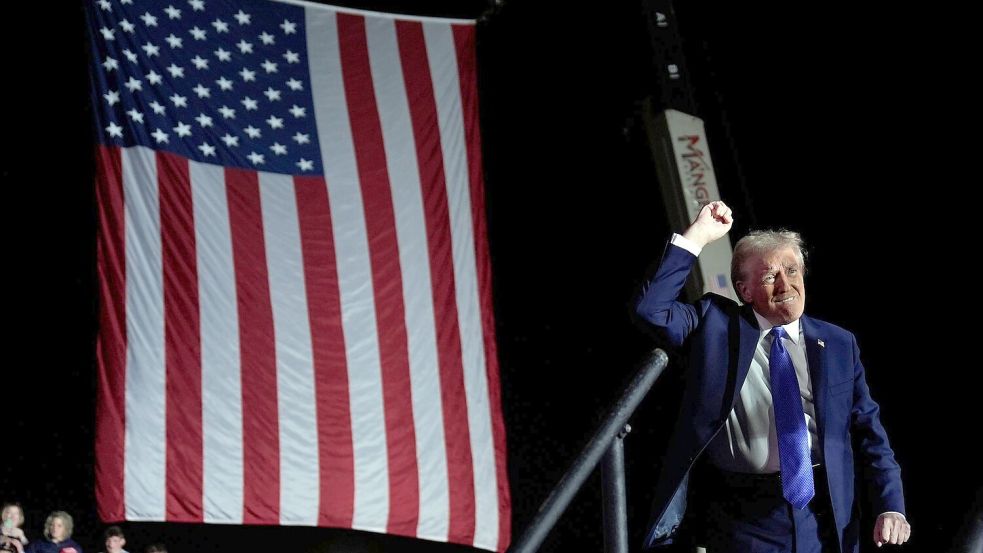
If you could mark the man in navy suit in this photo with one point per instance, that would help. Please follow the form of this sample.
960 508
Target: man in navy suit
777 421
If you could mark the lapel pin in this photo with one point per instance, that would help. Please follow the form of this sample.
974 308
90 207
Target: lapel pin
822 344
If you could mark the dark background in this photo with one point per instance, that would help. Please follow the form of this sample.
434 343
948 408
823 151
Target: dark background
855 128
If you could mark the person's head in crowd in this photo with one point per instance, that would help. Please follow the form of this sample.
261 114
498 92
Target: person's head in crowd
12 516
12 538
115 540
58 526
156 548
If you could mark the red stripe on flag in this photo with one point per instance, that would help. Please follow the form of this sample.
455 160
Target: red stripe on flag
430 157
111 344
337 471
260 424
387 283
464 41
182 342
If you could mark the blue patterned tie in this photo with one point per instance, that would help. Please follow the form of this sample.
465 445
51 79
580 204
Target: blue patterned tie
793 439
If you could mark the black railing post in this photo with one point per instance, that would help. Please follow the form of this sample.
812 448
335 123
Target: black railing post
614 496
568 486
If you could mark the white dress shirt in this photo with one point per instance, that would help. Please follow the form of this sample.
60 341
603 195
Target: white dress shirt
748 442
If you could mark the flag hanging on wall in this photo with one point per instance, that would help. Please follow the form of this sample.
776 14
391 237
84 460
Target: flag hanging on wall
295 322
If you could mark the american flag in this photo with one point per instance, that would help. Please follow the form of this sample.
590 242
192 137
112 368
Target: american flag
296 323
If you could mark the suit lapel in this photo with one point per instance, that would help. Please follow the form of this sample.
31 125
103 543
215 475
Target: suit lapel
816 351
748 341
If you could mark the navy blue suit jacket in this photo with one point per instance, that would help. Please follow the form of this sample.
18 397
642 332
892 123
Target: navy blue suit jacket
721 337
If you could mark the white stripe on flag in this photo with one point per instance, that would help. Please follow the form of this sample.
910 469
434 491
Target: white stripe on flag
411 232
146 376
354 274
221 379
442 56
299 488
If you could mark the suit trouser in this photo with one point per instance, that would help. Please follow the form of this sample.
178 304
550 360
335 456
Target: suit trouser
746 513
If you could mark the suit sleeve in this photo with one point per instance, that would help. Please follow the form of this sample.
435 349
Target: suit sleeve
880 471
658 304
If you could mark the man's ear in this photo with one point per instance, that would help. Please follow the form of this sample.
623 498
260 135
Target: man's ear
742 291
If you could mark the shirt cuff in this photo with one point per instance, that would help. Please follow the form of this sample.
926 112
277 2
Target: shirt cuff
686 244
893 513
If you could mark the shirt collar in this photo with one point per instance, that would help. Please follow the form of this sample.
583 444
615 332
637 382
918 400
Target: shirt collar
793 329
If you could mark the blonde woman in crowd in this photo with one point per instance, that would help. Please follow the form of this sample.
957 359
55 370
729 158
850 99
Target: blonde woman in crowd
12 537
58 536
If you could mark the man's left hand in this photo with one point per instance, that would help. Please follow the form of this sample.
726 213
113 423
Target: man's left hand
891 528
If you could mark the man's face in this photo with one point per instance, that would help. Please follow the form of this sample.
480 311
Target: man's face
115 543
773 285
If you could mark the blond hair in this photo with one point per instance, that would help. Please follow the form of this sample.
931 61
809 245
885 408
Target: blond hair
66 521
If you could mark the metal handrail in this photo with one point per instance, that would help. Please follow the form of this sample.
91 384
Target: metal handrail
606 442
969 538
